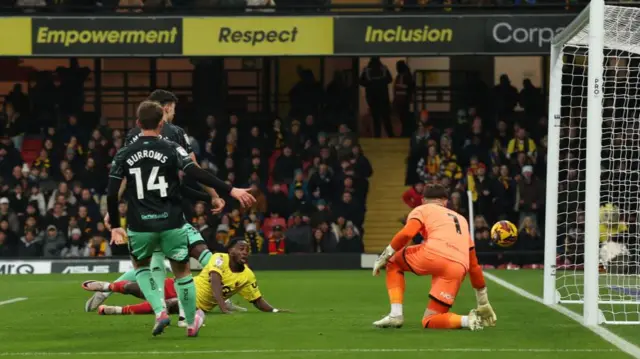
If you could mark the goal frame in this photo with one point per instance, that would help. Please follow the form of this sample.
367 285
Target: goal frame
593 17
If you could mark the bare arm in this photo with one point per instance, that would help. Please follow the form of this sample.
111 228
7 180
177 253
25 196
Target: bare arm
263 306
216 287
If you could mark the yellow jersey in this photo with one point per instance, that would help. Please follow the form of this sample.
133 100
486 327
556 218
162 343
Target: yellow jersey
243 283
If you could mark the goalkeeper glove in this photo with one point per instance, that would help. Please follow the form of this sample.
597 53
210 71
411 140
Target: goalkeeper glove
382 259
485 311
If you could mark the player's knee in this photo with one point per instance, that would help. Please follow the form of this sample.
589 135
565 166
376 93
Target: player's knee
393 266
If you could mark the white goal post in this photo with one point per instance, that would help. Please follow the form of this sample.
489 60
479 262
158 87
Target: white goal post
592 240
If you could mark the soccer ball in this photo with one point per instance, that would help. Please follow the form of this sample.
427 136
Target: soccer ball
504 234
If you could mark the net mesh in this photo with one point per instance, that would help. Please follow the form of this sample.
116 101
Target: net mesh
619 279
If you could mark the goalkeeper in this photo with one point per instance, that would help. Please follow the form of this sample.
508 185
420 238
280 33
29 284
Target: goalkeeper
447 254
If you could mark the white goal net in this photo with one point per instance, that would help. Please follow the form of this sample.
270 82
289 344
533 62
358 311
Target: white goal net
593 252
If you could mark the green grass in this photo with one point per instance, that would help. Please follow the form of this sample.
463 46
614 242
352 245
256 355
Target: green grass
332 319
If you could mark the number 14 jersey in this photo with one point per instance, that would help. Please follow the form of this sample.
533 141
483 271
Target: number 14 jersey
150 166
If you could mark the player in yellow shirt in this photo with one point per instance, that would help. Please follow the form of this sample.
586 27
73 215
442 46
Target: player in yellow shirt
224 276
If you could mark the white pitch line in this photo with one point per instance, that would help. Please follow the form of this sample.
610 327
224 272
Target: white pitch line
602 332
14 300
282 351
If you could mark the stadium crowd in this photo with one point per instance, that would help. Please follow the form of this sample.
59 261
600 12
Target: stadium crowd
496 153
311 186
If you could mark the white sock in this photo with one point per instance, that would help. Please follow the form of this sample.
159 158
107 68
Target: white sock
181 310
465 321
119 310
396 310
105 287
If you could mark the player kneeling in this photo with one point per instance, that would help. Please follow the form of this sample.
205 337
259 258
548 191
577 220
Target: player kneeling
222 277
447 254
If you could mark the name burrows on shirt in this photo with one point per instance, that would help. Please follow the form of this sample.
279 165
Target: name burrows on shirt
137 156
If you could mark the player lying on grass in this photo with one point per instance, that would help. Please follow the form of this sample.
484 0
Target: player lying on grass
224 276
447 254
197 247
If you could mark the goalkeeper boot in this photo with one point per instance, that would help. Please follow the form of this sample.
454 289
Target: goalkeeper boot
234 307
475 321
162 321
192 331
109 310
389 322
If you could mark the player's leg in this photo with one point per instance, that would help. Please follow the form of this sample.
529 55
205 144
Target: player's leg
175 246
396 267
447 278
158 271
102 290
141 247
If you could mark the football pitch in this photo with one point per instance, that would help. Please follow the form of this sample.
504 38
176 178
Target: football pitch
333 312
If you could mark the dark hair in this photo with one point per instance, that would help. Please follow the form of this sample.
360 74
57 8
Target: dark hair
162 97
149 115
435 191
235 240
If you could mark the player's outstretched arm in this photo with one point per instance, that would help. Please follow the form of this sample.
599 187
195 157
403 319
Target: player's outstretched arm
484 309
242 195
263 306
410 230
216 288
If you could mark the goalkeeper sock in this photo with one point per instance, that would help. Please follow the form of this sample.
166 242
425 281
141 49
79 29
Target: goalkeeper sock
204 258
443 321
149 289
186 290
395 288
158 273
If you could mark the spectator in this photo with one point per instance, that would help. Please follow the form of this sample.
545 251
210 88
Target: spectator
522 143
42 161
321 215
413 196
350 242
9 157
300 204
18 200
429 166
322 180
457 204
6 249
62 190
531 194
529 240
298 237
486 193
375 78
276 245
506 96
30 246
255 240
6 214
277 201
76 245
53 242
98 247
531 99
403 88
285 166
509 189
324 242
349 211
